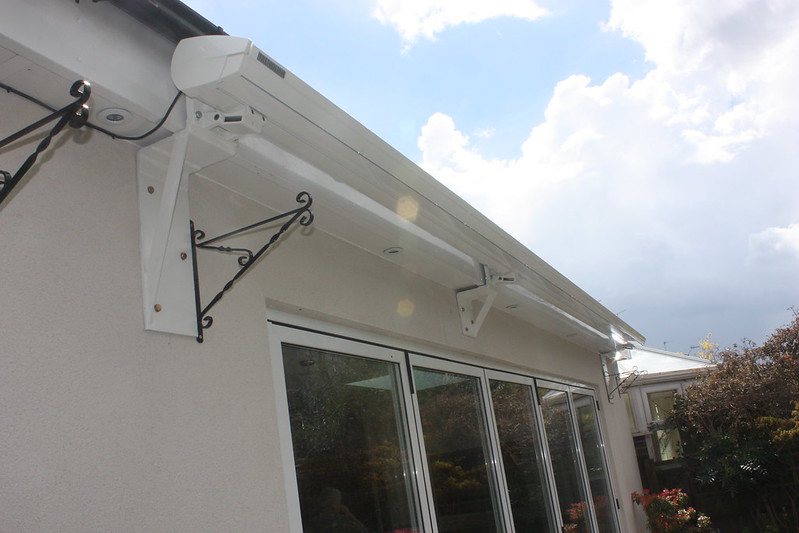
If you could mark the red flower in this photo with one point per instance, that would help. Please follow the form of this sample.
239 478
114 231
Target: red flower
666 512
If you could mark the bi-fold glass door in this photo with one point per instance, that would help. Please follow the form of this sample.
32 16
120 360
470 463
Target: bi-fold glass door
458 446
524 470
352 441
577 456
390 442
484 460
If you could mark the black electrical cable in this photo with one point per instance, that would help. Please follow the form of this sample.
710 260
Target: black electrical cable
26 96
147 133
98 128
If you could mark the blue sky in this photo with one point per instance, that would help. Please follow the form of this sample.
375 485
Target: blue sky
650 148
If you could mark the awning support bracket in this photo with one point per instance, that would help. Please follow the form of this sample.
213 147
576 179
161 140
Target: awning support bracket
247 258
475 303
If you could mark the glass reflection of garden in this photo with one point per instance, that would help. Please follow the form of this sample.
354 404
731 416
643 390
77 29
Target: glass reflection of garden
565 464
514 412
453 426
562 441
353 462
353 471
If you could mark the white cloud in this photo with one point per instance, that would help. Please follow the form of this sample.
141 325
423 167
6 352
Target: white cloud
776 245
741 54
600 136
486 133
427 18
646 192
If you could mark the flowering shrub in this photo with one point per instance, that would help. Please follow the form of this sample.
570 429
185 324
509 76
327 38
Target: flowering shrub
576 514
666 512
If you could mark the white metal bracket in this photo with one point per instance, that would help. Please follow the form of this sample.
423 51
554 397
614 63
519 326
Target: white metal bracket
475 303
163 170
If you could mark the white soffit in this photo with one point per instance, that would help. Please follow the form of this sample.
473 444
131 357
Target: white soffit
45 46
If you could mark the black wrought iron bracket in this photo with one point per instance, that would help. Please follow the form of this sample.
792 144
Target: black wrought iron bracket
625 380
75 114
247 258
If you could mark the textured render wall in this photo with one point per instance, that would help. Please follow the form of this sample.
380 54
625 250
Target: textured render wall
107 427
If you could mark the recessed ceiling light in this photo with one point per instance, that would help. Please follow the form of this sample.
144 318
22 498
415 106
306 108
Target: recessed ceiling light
394 250
114 116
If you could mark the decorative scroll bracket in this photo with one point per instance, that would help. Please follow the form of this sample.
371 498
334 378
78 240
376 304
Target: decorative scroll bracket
75 114
623 380
475 303
247 259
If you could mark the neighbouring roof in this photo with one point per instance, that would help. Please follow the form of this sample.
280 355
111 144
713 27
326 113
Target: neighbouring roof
652 363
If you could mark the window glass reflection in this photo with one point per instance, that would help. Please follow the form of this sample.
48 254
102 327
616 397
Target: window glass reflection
593 454
514 412
572 497
667 440
350 443
453 425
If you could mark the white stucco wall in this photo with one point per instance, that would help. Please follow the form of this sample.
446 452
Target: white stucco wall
108 427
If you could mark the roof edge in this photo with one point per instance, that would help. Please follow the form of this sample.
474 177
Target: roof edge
171 18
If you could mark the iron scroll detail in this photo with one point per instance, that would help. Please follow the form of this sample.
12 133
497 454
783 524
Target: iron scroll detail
247 258
75 115
625 380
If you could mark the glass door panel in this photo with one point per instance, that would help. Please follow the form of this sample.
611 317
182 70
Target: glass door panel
454 429
562 444
389 442
514 413
593 453
350 441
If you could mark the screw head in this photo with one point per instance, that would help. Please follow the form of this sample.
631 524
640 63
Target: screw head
151 189
184 255
157 308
